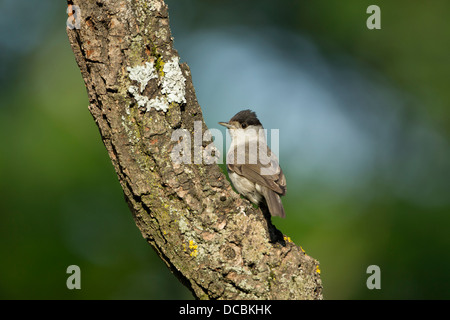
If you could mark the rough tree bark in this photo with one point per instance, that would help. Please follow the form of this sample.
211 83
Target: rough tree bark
215 242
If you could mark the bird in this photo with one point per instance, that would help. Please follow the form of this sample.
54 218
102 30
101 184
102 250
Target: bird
252 167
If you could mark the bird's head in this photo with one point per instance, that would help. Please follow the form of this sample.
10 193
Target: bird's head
243 120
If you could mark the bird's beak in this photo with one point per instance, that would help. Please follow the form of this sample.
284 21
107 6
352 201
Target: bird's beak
225 124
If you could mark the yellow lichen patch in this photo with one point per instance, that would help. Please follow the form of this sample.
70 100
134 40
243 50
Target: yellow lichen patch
193 248
302 249
288 239
317 269
160 66
192 245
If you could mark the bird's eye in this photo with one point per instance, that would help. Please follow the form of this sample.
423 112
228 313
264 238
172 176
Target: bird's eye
244 125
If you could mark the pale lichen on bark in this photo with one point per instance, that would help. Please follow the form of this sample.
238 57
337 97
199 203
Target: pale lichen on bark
216 243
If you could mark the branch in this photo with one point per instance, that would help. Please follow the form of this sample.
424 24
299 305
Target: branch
216 243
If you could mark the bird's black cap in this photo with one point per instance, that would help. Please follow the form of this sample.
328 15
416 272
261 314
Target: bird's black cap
246 116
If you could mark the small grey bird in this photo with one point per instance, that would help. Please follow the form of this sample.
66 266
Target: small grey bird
252 167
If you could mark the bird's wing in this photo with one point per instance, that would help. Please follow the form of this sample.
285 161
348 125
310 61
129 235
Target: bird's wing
268 174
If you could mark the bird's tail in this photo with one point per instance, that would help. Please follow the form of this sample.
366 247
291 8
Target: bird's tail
273 201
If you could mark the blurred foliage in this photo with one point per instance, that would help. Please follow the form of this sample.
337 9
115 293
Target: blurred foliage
61 203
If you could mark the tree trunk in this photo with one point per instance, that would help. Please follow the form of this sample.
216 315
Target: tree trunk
215 242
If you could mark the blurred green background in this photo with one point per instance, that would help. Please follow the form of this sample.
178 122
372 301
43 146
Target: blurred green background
364 123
